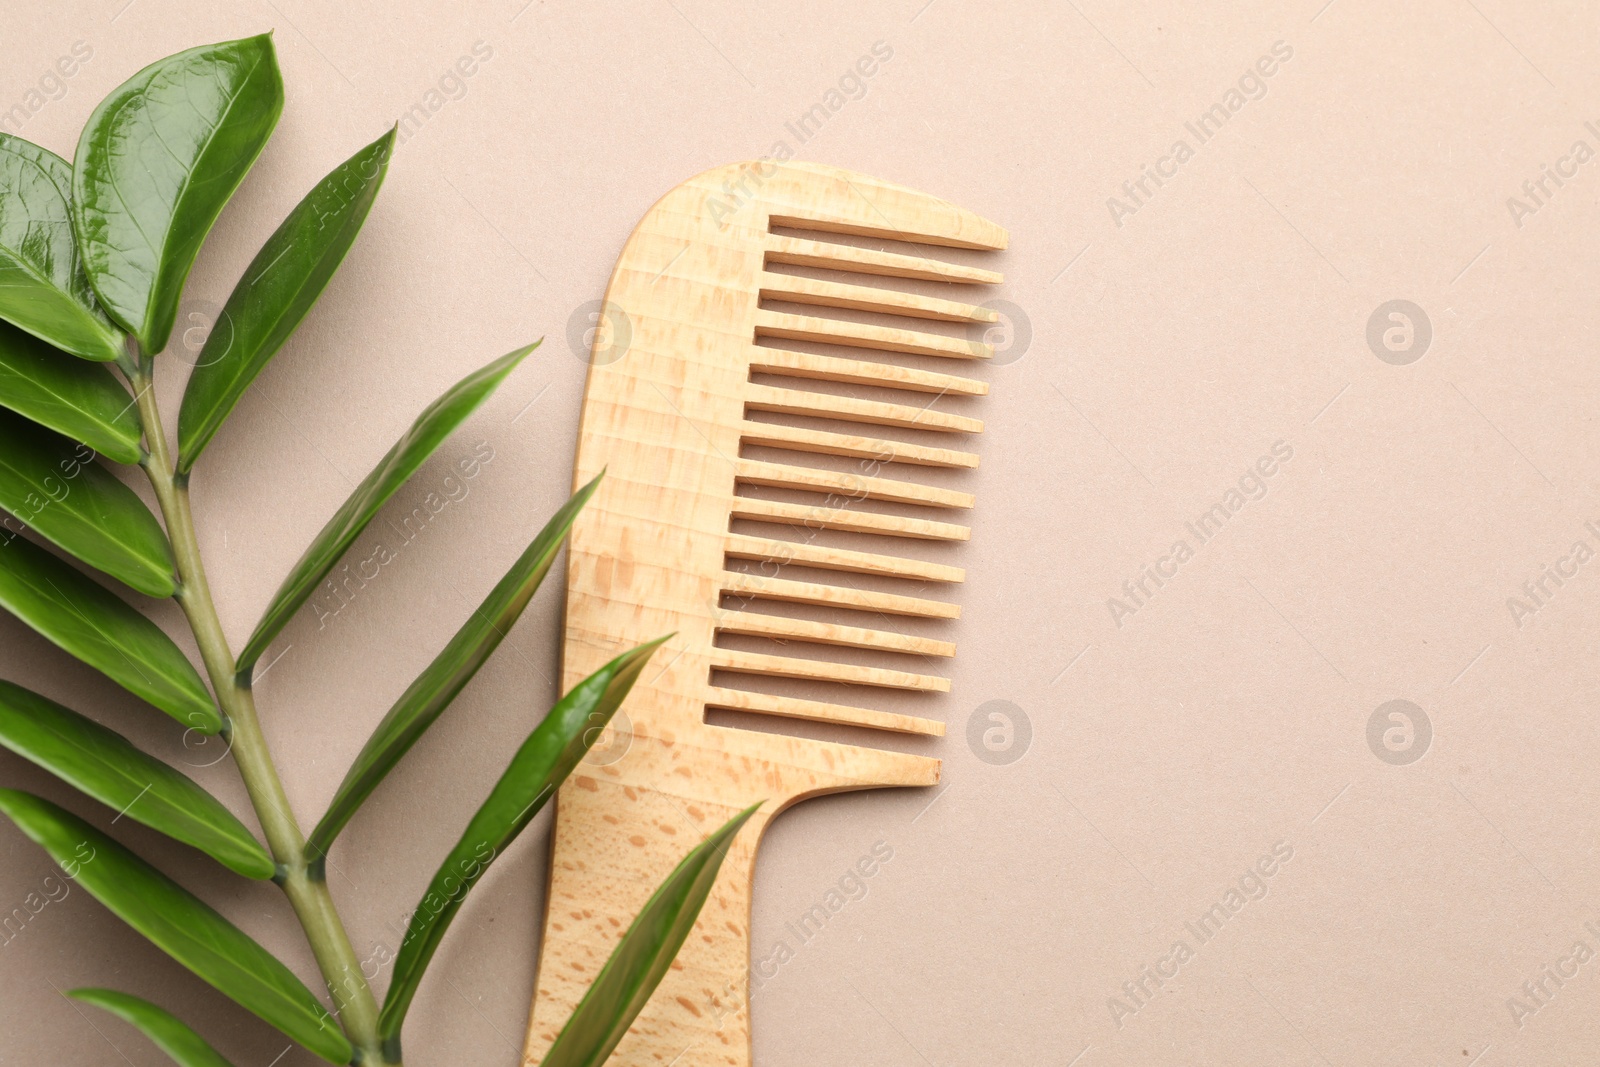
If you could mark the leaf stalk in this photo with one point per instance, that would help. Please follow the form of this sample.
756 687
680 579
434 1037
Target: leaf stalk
303 884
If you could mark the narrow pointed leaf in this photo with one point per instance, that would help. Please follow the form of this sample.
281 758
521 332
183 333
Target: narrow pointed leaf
423 703
42 285
107 766
276 292
156 163
410 452
169 1033
643 956
70 396
82 617
179 923
536 772
58 489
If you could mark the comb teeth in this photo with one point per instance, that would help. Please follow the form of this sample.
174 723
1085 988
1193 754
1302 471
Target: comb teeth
823 517
727 659
845 490
857 486
865 335
851 409
820 711
803 253
877 449
861 372
798 290
767 550
753 624
761 587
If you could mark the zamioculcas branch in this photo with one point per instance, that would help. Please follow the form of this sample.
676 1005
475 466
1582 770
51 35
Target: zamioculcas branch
94 255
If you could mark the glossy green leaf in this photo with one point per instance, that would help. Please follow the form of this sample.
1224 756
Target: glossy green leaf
60 490
276 292
179 923
81 616
642 957
156 163
423 703
536 772
169 1033
70 396
408 453
42 285
105 765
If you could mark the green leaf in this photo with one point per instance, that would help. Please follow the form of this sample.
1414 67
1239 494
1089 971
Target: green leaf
42 285
58 489
68 395
408 453
105 765
276 292
82 617
642 958
179 923
156 163
170 1034
423 703
536 772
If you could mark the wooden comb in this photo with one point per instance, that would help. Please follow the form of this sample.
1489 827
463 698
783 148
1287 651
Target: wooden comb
687 379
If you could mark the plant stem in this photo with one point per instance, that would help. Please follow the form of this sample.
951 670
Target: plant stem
308 893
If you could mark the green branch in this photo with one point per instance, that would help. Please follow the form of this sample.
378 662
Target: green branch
307 892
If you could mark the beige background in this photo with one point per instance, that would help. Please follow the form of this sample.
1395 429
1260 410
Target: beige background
1168 754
